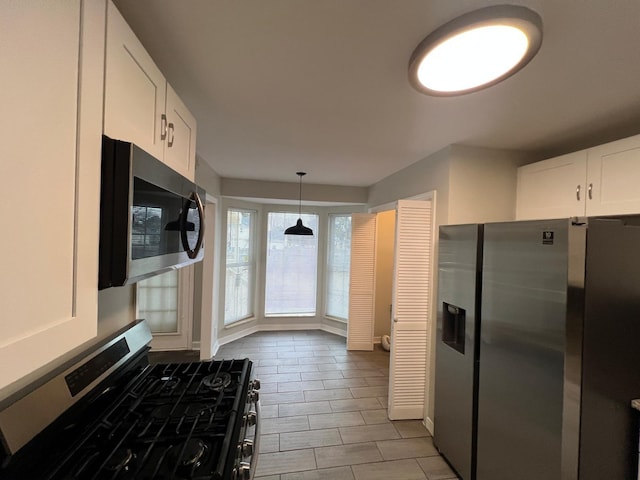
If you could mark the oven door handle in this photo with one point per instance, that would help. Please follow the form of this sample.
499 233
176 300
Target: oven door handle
183 231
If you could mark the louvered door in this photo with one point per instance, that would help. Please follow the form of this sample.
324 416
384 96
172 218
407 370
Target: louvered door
362 282
411 309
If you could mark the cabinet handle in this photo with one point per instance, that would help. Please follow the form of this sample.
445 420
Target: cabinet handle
578 193
590 191
163 126
171 135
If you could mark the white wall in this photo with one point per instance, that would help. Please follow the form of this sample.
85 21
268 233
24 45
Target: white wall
482 185
472 185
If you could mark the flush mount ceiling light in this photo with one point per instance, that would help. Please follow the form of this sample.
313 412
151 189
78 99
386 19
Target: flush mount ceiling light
299 228
476 50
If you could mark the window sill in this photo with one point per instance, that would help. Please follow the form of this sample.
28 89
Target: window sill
336 319
237 323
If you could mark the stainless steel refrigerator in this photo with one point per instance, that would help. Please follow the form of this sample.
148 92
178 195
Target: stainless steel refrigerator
559 353
459 281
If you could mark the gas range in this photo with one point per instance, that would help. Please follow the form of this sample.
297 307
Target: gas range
124 418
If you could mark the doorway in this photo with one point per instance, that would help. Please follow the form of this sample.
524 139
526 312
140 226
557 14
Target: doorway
411 297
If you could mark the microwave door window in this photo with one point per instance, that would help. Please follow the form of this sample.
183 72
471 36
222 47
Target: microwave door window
146 228
156 221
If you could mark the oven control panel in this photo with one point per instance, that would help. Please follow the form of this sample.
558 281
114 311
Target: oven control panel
85 374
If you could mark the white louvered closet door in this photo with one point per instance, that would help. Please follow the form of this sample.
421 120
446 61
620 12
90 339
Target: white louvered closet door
362 282
411 309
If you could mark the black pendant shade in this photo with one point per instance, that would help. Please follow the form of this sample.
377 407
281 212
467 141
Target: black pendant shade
299 228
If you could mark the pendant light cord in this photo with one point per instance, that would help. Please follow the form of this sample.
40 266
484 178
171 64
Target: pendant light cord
300 197
300 174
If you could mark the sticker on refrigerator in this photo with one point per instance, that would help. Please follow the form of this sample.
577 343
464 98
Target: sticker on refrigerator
547 237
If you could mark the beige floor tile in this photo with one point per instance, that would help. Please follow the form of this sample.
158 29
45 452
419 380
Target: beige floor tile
407 448
345 383
268 411
347 455
284 424
411 428
296 368
269 477
436 468
377 381
333 394
372 417
353 405
305 408
337 473
379 391
300 386
286 462
333 420
277 398
280 377
396 470
322 375
368 433
270 443
310 439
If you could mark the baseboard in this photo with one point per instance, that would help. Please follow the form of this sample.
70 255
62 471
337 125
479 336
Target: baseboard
289 326
236 335
334 330
428 423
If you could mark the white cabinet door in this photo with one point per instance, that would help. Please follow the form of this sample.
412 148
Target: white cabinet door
553 188
180 144
50 179
614 178
135 89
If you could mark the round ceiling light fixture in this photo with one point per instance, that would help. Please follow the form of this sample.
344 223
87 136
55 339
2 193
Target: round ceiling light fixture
475 50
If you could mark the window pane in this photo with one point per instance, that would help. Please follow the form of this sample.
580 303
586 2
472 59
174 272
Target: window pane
292 265
338 266
158 302
238 302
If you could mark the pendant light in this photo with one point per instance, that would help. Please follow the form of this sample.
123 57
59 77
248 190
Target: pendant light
476 50
299 228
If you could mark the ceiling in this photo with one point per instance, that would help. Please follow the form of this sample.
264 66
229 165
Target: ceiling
279 86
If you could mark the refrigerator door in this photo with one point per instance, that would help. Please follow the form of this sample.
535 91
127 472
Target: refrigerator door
611 355
460 256
520 396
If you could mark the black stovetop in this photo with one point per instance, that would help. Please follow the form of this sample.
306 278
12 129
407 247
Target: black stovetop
164 421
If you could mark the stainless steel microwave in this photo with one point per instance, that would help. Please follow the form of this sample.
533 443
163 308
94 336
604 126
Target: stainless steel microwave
151 217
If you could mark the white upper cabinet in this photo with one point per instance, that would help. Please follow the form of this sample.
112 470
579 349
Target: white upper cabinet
52 99
602 180
613 175
552 188
180 144
140 106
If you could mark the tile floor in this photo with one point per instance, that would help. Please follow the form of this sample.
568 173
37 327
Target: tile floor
324 412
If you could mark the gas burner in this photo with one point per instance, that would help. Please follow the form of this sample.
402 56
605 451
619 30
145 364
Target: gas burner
218 381
168 382
196 409
189 453
162 412
119 460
